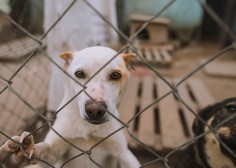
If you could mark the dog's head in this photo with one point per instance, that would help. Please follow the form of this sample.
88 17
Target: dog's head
222 118
103 73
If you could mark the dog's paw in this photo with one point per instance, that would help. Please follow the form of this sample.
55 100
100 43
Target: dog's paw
22 146
11 146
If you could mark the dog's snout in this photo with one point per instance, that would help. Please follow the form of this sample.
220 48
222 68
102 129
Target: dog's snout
95 110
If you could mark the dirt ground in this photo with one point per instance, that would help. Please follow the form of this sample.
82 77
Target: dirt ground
186 60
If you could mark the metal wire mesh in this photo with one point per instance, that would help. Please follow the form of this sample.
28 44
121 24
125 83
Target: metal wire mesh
24 84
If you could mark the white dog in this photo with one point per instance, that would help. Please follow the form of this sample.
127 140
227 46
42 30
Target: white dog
87 120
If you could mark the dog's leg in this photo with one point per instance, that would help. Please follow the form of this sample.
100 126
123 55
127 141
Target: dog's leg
119 149
51 150
128 160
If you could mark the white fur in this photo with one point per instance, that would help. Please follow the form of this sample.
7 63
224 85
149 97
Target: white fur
70 122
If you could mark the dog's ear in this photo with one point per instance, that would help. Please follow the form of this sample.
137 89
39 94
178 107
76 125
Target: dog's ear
205 114
66 56
127 57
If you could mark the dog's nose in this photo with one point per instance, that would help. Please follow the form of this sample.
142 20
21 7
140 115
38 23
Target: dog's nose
95 109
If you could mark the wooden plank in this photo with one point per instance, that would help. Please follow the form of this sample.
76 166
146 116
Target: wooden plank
172 125
167 46
201 93
157 56
127 108
144 18
146 131
157 142
171 130
223 69
186 97
166 56
148 54
157 139
140 52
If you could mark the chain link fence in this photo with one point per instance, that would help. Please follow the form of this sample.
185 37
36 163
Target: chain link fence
25 75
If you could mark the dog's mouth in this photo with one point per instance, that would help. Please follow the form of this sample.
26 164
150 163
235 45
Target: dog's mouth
96 122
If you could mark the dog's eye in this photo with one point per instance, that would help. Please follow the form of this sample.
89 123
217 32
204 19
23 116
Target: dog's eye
115 76
231 108
80 74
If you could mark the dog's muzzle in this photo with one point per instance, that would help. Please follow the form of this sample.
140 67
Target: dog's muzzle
96 111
